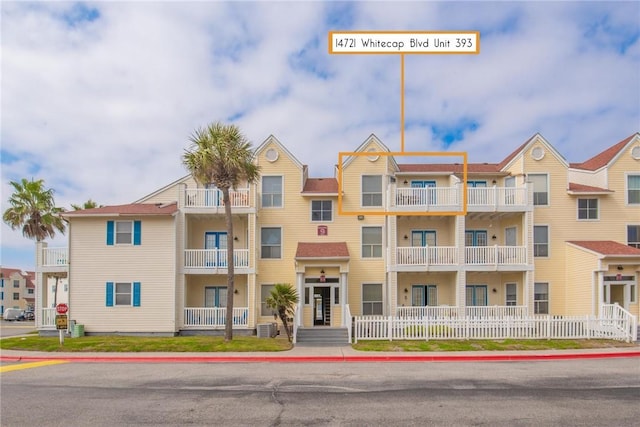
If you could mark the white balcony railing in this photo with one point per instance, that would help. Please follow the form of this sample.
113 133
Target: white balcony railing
214 317
48 319
427 255
212 198
429 197
215 258
496 197
490 198
496 255
55 257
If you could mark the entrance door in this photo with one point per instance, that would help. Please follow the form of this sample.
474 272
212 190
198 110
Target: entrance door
616 295
322 306
215 296
216 240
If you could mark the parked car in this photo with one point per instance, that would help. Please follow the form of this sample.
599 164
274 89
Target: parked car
11 314
29 315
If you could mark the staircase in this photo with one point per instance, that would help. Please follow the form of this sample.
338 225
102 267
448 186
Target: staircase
322 337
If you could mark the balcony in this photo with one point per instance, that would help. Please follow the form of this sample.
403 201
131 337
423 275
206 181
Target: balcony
445 258
214 317
210 199
429 258
54 259
206 260
488 258
492 199
449 199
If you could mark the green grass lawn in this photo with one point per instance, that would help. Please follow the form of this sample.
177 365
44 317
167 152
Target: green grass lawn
145 344
198 344
484 345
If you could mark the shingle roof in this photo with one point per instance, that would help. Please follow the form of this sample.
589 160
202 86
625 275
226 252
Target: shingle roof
602 159
322 250
130 209
449 167
581 188
321 185
606 247
513 154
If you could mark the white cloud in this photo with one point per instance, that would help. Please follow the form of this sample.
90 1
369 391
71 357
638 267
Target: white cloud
99 100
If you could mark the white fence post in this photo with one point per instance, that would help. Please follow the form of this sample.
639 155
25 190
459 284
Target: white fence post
390 328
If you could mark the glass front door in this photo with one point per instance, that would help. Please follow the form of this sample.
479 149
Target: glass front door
216 240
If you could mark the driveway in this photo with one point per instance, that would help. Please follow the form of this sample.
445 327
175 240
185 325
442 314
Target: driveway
13 328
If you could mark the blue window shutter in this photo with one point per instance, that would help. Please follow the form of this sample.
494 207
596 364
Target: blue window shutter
110 227
137 232
136 294
109 294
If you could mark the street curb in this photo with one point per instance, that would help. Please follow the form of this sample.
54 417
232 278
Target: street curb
323 359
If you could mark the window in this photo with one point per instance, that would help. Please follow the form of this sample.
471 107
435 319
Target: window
476 295
336 296
633 236
540 240
424 295
16 283
16 295
511 298
271 191
30 291
587 208
540 184
265 292
271 242
371 242
321 210
632 297
633 189
124 232
541 298
371 299
123 294
372 190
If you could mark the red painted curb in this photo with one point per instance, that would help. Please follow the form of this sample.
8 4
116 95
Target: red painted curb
322 359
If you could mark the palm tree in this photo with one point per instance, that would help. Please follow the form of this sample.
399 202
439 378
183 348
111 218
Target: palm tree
283 300
33 208
221 155
89 204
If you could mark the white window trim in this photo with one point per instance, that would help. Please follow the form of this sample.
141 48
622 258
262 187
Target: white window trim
382 252
281 242
311 211
548 188
381 206
115 294
626 232
626 189
533 300
505 291
115 232
260 310
362 295
597 209
533 237
262 192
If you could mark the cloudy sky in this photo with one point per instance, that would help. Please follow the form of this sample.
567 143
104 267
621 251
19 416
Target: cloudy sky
99 98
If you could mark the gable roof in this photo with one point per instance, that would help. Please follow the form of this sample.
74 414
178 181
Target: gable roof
137 209
371 139
604 158
333 250
321 185
514 153
273 140
606 247
521 149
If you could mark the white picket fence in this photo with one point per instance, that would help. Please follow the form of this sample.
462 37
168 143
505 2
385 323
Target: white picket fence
614 323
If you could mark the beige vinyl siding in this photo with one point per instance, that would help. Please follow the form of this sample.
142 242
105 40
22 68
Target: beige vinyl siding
94 264
445 282
579 277
443 226
594 179
196 284
171 193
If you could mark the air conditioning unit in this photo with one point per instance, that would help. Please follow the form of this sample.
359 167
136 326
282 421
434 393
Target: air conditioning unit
264 330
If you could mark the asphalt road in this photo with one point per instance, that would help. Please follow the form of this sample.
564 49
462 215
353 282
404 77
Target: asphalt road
13 328
568 393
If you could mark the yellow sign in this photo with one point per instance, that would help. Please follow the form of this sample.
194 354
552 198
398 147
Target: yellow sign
61 321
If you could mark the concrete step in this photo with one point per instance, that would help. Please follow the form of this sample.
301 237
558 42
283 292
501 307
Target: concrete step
322 337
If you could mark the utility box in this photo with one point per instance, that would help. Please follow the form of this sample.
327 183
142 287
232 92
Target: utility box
77 331
264 330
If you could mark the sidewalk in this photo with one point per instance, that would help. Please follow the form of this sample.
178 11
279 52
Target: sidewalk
324 354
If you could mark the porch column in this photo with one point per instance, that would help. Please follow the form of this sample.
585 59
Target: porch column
300 286
344 285
601 293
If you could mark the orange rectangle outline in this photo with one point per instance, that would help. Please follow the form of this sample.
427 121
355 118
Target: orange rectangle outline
331 33
462 154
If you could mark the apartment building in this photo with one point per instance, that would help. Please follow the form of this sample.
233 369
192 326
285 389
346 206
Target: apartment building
382 235
17 289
